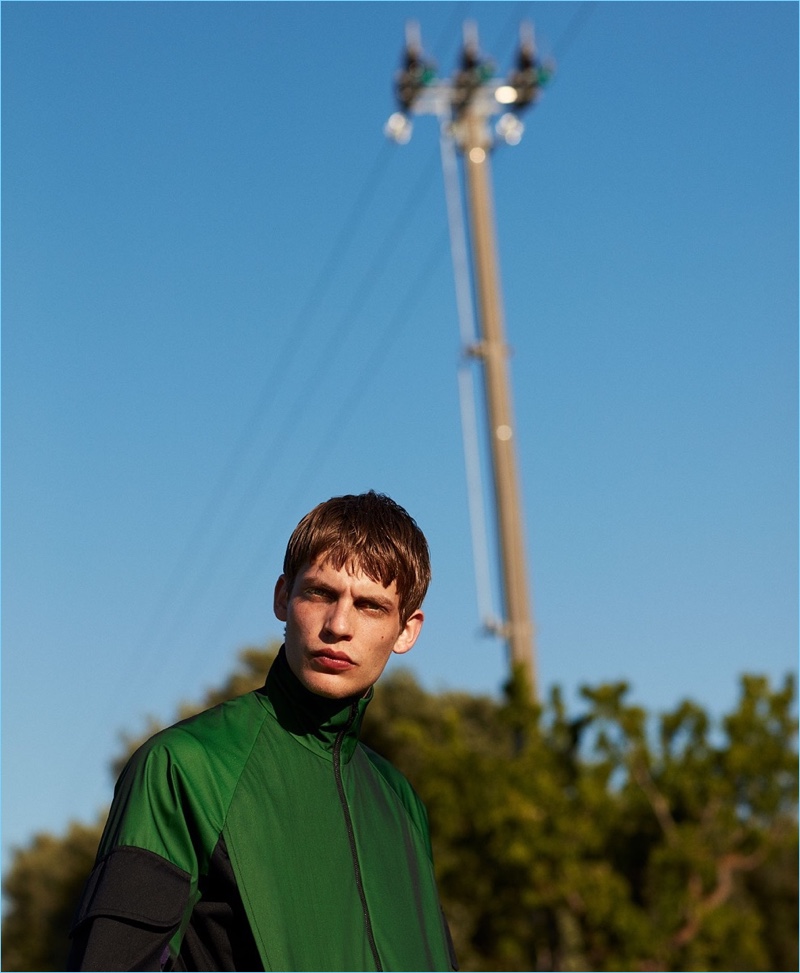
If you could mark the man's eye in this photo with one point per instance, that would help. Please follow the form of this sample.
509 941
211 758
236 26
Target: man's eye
316 593
373 606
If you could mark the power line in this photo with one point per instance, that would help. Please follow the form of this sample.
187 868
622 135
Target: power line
387 338
573 29
391 242
293 343
324 354
466 386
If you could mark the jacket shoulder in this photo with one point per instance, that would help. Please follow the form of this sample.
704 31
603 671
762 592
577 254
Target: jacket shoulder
174 793
234 722
210 746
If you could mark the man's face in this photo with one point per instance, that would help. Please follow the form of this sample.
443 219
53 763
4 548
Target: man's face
341 628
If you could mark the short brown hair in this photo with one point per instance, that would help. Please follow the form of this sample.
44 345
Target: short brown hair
367 531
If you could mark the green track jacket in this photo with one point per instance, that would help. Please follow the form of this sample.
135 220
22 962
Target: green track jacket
262 835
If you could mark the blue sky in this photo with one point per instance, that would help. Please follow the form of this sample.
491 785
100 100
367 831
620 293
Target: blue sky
227 297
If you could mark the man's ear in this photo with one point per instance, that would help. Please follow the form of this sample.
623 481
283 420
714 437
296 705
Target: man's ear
280 600
409 632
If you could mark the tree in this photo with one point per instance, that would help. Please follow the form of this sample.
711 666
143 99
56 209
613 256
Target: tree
603 840
43 887
703 823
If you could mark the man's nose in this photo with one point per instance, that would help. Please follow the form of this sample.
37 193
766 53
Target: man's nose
339 620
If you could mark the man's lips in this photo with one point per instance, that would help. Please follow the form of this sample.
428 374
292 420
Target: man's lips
332 660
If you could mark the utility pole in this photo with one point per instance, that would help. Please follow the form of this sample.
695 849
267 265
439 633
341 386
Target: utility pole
465 106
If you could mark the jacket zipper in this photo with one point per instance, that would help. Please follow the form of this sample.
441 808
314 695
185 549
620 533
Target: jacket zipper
337 773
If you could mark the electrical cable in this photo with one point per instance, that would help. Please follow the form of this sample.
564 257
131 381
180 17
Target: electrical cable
574 28
150 640
180 606
324 355
282 359
466 386
255 568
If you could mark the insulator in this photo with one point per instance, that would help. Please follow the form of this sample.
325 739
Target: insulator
415 75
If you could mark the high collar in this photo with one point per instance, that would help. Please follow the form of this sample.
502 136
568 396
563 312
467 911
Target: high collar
314 721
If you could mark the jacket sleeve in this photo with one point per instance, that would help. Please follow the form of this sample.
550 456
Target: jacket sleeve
131 907
144 883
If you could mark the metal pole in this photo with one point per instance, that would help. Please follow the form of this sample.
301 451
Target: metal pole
494 352
465 105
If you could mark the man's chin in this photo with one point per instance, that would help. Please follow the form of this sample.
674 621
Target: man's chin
331 686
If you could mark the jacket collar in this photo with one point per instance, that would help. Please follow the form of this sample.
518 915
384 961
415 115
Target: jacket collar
314 721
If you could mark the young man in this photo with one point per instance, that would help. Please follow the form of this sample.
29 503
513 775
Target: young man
261 835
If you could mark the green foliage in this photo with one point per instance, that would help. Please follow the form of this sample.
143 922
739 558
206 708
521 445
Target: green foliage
610 840
43 887
603 842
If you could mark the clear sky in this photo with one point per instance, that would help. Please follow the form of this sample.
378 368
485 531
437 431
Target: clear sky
226 297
